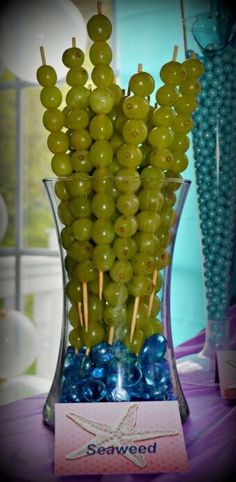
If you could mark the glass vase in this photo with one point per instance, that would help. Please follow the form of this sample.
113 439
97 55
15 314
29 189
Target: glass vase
214 143
116 237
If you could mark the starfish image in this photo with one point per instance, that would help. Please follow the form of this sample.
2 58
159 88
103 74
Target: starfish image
120 433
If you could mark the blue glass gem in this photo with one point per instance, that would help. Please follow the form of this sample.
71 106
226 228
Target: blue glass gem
101 354
118 394
83 365
141 391
153 349
152 373
94 390
75 394
98 372
119 349
132 376
70 356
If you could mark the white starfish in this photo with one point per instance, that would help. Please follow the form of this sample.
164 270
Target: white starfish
121 432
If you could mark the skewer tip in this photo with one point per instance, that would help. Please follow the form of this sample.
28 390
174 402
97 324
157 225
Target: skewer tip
42 53
175 53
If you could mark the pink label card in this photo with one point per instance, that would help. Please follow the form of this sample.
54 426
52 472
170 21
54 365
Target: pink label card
226 367
128 437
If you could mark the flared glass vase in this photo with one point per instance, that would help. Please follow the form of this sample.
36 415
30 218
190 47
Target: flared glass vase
116 238
214 147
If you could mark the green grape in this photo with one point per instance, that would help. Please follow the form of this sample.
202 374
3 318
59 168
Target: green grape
60 190
77 76
66 237
94 335
150 200
95 309
143 263
148 118
193 68
77 97
64 213
73 291
61 164
85 271
129 155
116 293
152 178
168 217
73 57
125 226
140 285
167 95
141 318
164 236
182 124
173 180
80 250
101 154
79 184
127 204
46 76
99 28
190 86
81 162
101 100
120 122
101 127
121 271
102 181
73 316
162 158
180 162
142 84
114 167
116 92
135 107
75 339
146 150
152 327
161 137
172 73
114 112
180 143
147 243
58 142
51 97
100 53
163 260
69 265
186 104
144 306
80 139
163 116
169 198
103 231
137 342
116 141
93 286
148 221
82 229
102 75
124 248
103 205
134 131
80 207
76 118
53 120
114 315
127 180
103 257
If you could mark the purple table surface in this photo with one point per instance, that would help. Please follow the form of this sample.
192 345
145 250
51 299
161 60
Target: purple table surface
27 445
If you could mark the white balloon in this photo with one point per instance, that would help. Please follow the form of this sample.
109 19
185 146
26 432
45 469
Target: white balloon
3 218
22 387
26 25
18 343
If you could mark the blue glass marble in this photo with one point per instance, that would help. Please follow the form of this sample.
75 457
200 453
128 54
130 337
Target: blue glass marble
142 391
153 349
101 354
94 390
98 372
83 364
152 373
118 395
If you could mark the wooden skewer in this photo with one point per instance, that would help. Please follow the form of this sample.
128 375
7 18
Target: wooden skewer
175 53
151 299
87 350
134 316
100 284
140 67
192 56
183 26
111 335
80 313
42 53
99 7
73 41
85 304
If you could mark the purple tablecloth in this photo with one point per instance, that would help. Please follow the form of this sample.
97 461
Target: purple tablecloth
27 445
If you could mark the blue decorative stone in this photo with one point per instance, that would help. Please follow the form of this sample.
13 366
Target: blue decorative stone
101 354
153 349
98 373
94 390
118 394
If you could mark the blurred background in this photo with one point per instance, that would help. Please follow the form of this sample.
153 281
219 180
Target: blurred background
30 270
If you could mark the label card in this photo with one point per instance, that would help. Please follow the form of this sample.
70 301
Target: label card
226 370
109 438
